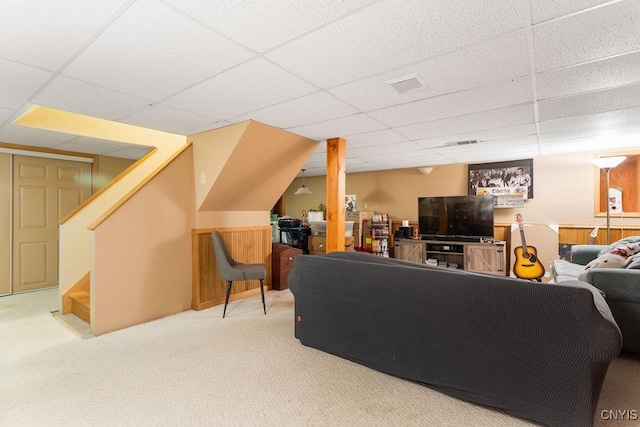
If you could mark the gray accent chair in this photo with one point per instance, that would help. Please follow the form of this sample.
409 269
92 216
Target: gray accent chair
231 270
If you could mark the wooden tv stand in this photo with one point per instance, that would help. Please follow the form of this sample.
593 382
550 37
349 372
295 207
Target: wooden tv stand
490 258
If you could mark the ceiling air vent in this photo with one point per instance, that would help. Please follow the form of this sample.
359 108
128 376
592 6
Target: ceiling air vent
467 142
406 83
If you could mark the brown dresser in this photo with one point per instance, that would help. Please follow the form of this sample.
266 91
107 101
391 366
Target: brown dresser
318 244
282 257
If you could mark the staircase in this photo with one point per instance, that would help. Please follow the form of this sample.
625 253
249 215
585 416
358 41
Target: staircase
81 305
77 300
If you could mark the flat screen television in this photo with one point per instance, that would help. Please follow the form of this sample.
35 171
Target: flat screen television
463 218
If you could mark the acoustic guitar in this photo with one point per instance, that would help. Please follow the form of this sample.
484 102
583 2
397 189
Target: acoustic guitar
527 265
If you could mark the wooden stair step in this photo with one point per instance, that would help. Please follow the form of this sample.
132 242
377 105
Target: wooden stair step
81 305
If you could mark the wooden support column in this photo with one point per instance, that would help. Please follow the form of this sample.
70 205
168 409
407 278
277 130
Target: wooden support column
336 148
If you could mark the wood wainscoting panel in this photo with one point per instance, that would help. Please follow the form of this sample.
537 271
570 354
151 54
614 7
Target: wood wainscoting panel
251 245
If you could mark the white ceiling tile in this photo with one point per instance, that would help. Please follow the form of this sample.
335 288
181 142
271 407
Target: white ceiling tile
208 127
509 146
589 143
26 140
544 10
493 61
595 122
72 95
152 51
606 133
167 119
5 113
398 147
491 97
46 33
368 139
350 125
487 135
35 133
589 103
130 153
425 159
598 33
263 25
394 33
502 117
607 73
85 144
219 96
19 82
317 107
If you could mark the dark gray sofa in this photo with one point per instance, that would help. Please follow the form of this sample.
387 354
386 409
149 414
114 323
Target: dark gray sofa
621 287
536 351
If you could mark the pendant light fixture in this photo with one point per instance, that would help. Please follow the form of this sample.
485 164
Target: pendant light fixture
303 189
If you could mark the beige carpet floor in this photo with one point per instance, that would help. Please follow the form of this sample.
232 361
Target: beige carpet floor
197 369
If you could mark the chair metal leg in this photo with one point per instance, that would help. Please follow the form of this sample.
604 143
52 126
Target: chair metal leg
226 300
264 307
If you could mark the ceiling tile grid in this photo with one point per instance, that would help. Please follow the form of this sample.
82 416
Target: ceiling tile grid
45 34
76 96
251 86
152 52
523 77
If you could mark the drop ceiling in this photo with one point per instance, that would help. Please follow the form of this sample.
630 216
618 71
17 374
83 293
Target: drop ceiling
522 77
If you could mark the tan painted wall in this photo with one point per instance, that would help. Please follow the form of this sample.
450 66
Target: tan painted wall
564 187
245 167
5 223
141 268
110 167
75 238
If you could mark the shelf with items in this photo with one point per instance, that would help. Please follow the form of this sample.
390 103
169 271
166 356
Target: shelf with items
377 234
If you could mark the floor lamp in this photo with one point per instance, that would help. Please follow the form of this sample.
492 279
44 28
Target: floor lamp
608 163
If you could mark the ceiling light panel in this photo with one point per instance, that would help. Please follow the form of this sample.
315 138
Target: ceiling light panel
218 97
595 34
317 107
456 104
486 120
46 33
258 26
72 95
589 103
499 59
391 34
148 37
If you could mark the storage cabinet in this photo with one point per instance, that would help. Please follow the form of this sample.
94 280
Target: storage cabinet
282 258
410 250
318 245
487 258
